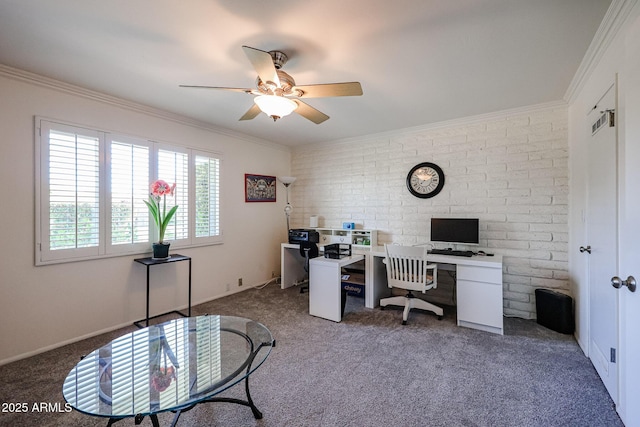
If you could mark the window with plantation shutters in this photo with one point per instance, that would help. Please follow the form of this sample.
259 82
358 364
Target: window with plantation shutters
128 178
91 186
70 196
173 167
207 197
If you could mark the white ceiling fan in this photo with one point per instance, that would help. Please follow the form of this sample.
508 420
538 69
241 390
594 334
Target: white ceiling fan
276 93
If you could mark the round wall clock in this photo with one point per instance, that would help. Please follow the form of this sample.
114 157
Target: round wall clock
425 180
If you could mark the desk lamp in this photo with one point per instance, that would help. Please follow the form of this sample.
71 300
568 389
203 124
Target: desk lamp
287 181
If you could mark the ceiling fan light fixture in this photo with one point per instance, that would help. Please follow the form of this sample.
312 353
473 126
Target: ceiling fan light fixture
275 106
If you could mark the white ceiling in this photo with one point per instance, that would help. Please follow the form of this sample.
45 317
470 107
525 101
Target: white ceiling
419 61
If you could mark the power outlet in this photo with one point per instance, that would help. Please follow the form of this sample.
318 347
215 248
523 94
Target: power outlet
240 281
273 274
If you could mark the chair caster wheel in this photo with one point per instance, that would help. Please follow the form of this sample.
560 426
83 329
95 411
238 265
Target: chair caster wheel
382 307
404 322
439 317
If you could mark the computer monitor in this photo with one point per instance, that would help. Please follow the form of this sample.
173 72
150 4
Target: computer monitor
455 230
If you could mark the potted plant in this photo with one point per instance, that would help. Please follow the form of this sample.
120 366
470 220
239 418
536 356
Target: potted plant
159 190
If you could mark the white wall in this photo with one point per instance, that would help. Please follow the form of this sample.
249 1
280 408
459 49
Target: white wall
608 63
41 307
508 169
613 57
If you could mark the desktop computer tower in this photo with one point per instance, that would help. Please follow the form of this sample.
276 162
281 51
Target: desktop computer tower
554 311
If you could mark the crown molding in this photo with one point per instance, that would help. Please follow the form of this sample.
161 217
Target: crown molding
67 88
611 24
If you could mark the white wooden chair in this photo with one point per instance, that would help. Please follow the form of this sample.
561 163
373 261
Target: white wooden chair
407 268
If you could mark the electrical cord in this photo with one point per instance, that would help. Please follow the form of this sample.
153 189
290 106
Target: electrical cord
265 284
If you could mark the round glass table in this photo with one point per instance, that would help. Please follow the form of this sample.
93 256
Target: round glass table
172 366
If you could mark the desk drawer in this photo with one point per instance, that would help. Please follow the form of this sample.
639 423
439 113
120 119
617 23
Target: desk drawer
480 304
479 274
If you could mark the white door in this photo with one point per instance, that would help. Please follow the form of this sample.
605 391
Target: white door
629 407
602 238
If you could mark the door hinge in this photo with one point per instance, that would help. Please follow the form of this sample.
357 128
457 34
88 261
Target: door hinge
613 355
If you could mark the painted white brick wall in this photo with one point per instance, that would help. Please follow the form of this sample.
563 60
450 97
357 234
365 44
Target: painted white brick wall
510 170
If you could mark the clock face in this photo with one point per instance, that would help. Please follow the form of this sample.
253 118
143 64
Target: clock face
425 180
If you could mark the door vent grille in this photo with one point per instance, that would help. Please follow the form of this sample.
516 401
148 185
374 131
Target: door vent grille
607 117
599 123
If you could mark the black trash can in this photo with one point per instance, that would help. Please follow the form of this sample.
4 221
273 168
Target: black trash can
555 311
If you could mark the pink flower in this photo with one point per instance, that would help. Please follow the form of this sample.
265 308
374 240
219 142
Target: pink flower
160 188
157 205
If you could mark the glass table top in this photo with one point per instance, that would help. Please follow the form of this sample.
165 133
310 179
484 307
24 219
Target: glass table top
167 367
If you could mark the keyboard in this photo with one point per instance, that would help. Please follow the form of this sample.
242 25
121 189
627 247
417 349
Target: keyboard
450 252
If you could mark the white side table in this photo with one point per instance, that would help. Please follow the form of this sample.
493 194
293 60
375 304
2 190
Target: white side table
325 290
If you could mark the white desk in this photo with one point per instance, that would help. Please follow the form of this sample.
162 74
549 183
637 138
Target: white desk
292 271
478 281
291 265
478 287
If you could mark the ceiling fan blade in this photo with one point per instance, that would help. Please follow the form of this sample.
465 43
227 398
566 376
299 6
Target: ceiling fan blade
331 89
310 113
251 113
263 63
233 89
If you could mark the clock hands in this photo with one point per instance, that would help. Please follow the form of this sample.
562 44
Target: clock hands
424 176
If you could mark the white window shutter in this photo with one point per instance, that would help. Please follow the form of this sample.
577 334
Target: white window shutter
70 192
91 186
173 167
128 220
207 194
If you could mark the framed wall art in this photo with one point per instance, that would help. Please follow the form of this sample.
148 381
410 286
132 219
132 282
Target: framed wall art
259 188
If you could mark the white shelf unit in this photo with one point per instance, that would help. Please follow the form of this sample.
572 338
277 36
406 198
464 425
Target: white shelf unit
355 238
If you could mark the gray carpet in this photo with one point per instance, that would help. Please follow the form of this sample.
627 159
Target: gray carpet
368 370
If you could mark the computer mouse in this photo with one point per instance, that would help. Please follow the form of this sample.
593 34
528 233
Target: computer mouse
481 253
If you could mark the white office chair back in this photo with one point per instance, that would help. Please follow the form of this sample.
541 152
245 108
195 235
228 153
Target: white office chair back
407 268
